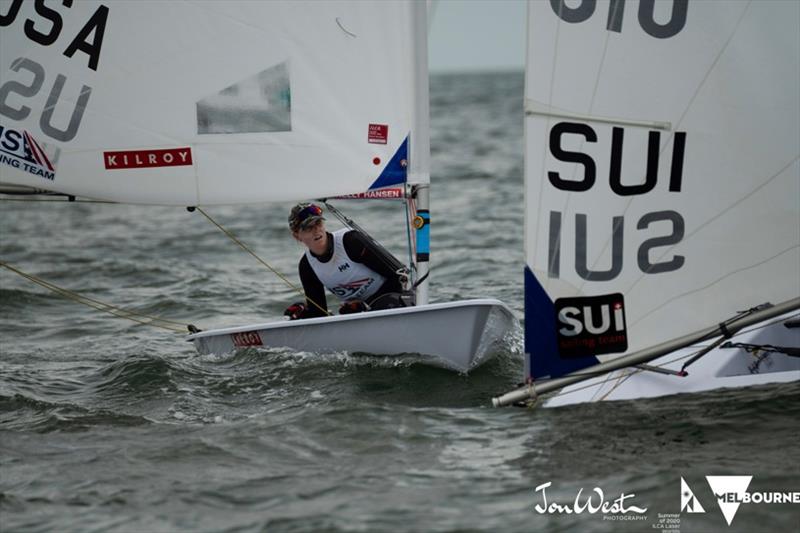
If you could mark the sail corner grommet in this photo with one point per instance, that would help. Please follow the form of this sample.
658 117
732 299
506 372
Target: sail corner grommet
191 208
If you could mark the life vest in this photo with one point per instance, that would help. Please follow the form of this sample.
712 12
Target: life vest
347 279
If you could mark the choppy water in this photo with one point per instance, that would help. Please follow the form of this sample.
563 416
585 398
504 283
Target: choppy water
110 426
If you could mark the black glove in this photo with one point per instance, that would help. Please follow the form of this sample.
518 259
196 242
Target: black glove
353 306
295 310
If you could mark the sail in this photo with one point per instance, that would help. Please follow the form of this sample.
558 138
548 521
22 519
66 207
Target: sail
211 102
662 171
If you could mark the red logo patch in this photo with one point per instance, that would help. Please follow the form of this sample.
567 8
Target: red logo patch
246 338
170 157
378 134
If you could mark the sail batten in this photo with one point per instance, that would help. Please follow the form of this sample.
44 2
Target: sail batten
536 108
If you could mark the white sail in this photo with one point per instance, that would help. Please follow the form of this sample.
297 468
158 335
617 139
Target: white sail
662 179
211 102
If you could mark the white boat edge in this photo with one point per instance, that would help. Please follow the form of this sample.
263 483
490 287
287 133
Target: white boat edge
458 335
721 368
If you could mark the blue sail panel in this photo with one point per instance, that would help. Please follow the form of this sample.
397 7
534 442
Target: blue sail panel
395 171
541 340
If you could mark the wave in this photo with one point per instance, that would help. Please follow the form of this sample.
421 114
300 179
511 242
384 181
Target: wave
23 413
14 299
139 375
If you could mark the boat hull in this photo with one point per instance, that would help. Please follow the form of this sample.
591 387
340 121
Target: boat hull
720 368
458 335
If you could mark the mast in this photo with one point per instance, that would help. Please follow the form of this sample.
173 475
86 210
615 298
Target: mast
419 149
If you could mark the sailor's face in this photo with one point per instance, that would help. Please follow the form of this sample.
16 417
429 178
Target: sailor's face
315 238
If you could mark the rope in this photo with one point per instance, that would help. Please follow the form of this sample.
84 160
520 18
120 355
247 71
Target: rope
768 348
140 318
53 199
244 247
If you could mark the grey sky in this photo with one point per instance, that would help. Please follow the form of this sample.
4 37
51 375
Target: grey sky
468 35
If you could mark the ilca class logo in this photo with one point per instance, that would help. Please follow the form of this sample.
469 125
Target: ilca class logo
689 502
18 149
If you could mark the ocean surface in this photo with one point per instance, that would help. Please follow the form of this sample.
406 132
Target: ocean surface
108 425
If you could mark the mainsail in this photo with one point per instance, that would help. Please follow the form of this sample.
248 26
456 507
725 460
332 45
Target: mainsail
212 102
196 103
662 173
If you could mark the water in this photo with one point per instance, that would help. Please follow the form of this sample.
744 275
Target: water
106 425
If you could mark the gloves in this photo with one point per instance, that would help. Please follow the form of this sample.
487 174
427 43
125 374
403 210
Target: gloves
353 306
295 310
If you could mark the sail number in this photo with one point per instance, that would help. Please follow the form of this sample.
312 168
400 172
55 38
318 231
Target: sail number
616 8
664 218
44 27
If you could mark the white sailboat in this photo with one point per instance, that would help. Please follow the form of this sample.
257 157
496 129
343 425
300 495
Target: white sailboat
230 102
662 183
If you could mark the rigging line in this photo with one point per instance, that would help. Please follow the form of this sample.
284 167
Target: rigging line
100 306
608 377
590 385
411 246
55 200
119 312
244 247
755 349
620 380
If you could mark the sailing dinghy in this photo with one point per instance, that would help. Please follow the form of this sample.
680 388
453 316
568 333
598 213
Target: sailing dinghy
662 195
225 102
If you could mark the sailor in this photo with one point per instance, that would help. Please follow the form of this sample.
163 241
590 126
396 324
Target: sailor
345 262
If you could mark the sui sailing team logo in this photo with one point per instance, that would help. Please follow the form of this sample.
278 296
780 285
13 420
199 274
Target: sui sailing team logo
591 325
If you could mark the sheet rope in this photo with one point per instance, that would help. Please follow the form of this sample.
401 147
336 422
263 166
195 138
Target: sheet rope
247 249
135 316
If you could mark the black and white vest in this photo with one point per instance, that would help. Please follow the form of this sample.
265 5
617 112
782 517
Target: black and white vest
344 277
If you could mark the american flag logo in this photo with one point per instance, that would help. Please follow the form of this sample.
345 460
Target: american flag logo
37 153
18 149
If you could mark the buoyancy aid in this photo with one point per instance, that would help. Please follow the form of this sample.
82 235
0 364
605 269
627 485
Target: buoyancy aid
347 279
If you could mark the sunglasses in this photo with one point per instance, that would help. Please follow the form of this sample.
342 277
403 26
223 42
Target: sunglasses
304 214
308 211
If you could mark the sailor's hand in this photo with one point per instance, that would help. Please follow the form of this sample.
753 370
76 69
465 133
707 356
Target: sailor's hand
353 306
295 310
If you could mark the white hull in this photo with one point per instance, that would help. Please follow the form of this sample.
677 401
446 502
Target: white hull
720 368
458 336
